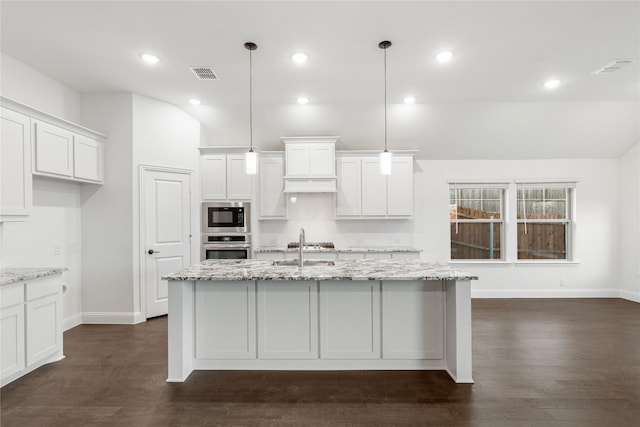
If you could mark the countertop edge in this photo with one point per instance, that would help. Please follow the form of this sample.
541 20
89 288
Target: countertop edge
21 274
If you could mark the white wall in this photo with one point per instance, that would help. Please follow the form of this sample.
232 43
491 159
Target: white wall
163 135
597 233
55 220
29 86
107 220
630 224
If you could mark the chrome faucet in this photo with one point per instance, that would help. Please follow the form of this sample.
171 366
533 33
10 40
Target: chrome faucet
300 248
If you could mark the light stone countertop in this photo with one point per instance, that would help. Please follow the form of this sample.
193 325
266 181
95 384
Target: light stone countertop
342 270
371 249
19 274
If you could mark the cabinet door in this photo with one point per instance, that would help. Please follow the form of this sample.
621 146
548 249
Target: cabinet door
273 202
87 159
53 150
297 160
350 320
400 187
225 320
15 166
374 188
238 182
349 196
322 161
288 320
213 172
413 321
44 327
11 340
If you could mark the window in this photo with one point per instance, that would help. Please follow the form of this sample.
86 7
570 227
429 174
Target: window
476 213
545 219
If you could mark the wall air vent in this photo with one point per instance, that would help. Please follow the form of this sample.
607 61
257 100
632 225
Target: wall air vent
204 73
614 66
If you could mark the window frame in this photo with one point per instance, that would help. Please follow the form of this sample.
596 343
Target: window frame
503 188
569 220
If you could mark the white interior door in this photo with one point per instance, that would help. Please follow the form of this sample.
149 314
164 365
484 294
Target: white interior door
166 216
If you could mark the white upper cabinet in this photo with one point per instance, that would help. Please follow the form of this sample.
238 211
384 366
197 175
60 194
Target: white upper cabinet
15 166
348 197
223 177
56 148
53 150
374 188
87 159
363 192
400 187
273 202
238 182
310 164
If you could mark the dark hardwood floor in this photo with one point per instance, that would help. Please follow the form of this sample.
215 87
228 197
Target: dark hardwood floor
561 362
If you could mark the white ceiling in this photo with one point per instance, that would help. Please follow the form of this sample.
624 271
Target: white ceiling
504 52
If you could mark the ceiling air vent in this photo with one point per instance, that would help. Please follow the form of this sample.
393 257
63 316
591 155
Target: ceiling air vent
204 73
614 66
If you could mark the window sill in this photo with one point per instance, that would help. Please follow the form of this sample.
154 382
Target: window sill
545 262
479 261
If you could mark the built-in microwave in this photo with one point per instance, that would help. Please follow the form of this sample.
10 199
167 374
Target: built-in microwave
227 217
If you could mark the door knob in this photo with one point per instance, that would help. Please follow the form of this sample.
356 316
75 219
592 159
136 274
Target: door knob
151 252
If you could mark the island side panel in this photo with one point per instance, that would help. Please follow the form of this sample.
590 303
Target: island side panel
458 331
180 330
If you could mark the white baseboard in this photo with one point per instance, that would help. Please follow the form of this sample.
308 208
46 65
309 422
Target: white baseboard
545 293
72 321
112 318
630 295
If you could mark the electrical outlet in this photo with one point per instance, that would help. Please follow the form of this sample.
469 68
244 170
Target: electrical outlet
56 250
563 282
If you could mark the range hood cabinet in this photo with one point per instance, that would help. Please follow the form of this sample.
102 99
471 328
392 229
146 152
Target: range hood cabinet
310 164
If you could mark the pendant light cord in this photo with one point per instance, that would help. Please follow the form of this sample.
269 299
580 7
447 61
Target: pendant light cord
385 99
250 102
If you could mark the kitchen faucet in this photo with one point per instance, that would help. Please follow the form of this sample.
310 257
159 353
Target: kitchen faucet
300 248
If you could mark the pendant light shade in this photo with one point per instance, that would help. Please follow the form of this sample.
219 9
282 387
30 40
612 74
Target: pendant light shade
386 158
251 157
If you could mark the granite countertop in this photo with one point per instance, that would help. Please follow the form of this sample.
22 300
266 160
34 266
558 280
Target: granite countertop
19 274
342 270
377 249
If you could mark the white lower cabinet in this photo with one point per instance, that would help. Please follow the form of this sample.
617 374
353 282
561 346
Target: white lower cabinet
12 343
226 320
288 320
31 326
413 320
350 320
43 328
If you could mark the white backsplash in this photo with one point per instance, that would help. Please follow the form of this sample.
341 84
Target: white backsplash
315 212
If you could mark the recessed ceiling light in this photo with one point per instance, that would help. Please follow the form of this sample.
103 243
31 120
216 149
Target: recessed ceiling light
303 100
409 99
149 58
300 58
194 101
444 56
552 84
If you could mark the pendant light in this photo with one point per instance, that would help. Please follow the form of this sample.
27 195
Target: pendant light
385 156
251 157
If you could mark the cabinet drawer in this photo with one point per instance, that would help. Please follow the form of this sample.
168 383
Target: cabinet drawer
11 295
43 287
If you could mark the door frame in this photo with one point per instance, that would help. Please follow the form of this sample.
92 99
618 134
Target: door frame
142 264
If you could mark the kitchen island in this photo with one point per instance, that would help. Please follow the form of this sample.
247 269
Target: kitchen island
352 315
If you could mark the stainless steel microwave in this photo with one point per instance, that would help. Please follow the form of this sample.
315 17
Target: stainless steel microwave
226 217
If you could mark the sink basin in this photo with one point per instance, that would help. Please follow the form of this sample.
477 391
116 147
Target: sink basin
307 262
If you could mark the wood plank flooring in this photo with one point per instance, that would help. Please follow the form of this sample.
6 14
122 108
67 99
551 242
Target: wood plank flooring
537 362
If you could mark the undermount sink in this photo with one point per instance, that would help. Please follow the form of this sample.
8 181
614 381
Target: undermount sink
307 262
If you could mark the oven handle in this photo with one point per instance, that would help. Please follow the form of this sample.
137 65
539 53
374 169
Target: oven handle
214 246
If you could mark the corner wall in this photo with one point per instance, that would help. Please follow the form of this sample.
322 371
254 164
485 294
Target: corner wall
630 224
